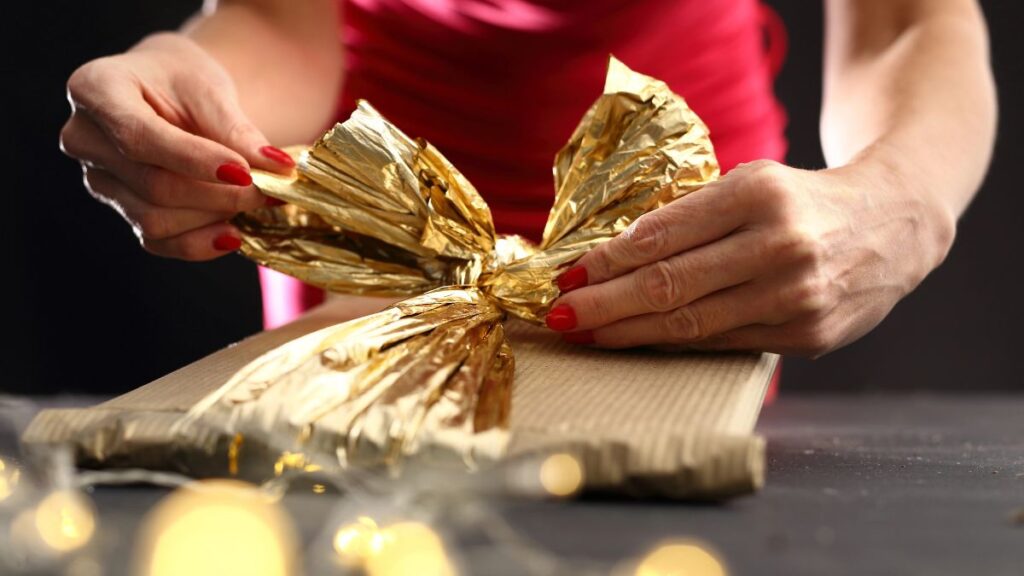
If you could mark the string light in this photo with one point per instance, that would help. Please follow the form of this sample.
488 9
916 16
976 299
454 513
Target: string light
217 528
561 475
9 477
395 550
65 520
682 558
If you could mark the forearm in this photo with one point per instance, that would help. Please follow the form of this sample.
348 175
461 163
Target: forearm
909 92
285 58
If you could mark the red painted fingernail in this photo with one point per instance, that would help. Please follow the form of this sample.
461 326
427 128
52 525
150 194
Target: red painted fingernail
561 318
227 243
277 155
571 279
583 337
234 173
271 201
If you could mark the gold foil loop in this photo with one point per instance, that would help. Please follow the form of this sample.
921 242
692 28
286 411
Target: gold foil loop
373 211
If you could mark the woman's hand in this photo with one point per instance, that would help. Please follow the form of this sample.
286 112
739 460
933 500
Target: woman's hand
768 258
162 140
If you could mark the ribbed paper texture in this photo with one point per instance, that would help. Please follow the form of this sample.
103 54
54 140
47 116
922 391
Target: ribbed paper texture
641 422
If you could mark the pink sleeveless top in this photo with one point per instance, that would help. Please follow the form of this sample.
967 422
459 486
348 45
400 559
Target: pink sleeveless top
499 85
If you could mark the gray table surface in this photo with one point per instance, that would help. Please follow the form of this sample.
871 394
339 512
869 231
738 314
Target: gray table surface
855 485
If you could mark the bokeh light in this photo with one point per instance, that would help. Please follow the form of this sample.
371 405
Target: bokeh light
293 461
683 558
357 541
9 477
561 475
65 520
217 528
395 550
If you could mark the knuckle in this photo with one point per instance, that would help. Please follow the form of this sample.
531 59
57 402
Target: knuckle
151 185
771 180
801 245
83 79
647 238
686 325
590 308
598 264
234 200
659 288
813 293
241 131
126 131
153 224
69 141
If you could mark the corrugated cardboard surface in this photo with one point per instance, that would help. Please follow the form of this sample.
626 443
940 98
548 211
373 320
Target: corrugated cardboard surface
641 422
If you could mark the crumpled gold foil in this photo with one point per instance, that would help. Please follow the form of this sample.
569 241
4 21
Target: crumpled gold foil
372 211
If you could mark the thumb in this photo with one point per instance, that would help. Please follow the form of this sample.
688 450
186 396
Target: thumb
219 117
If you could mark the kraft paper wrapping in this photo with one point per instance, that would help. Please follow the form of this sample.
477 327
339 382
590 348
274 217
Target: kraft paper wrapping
434 377
641 422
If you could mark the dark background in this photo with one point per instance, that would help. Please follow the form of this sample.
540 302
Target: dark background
88 310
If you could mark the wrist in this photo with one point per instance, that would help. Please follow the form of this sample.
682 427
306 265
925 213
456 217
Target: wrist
901 190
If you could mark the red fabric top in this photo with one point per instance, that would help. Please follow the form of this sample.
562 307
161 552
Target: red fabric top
499 85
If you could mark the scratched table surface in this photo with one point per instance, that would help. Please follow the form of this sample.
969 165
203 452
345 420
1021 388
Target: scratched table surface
859 485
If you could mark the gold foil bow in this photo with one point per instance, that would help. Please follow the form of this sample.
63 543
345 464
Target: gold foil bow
371 211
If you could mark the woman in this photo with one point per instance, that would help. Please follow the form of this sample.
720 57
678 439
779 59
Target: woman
770 257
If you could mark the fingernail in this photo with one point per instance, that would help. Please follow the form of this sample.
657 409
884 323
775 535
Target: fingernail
277 155
227 243
583 337
561 318
234 173
271 201
571 279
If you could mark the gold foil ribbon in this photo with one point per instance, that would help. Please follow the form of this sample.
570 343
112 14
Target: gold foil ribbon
372 211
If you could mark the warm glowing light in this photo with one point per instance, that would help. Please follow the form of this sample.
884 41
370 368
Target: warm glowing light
356 542
218 528
293 461
410 548
395 550
65 520
681 559
561 475
9 477
319 488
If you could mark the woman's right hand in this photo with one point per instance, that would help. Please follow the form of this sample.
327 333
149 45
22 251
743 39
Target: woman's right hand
162 139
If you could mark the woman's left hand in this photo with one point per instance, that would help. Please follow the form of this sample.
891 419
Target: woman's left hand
768 258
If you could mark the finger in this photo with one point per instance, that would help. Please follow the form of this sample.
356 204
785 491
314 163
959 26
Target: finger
693 220
710 316
757 338
144 137
669 284
746 338
81 138
205 243
221 118
148 220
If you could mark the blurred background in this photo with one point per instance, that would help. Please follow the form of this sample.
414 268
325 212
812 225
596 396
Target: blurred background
89 311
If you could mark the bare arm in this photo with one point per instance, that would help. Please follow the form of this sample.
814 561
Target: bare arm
908 87
284 56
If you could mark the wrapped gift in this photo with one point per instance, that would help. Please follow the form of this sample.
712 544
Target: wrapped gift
457 374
